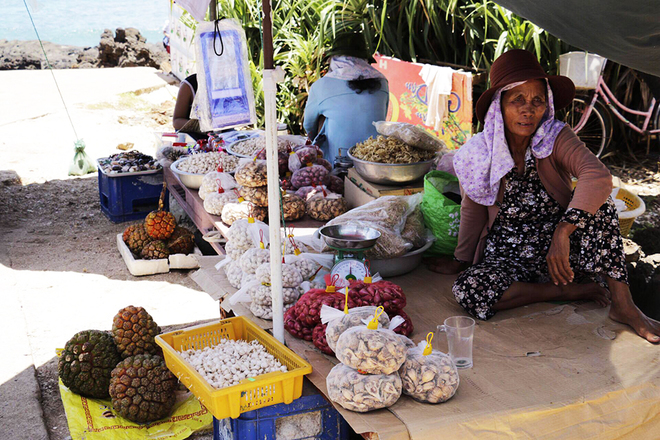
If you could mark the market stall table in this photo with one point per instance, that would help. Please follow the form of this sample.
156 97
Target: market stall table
542 371
193 205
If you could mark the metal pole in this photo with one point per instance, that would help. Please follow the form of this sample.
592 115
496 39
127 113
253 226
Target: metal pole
213 10
270 96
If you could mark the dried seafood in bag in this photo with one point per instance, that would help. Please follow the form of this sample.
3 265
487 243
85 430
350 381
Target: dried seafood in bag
362 392
429 375
258 195
324 207
251 173
293 207
338 321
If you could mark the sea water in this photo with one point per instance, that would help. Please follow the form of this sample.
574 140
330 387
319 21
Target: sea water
81 22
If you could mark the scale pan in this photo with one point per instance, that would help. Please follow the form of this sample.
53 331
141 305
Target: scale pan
351 237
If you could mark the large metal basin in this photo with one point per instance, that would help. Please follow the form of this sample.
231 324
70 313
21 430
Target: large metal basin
390 173
393 267
350 236
191 180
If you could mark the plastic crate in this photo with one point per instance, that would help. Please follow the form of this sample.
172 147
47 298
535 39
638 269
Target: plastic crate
130 196
309 417
252 393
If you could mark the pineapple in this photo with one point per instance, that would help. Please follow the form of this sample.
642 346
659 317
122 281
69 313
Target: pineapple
160 224
128 231
155 250
137 239
181 241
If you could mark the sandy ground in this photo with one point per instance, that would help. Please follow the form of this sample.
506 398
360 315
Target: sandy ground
60 271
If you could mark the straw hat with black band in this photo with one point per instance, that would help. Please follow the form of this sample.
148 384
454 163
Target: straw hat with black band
520 65
350 44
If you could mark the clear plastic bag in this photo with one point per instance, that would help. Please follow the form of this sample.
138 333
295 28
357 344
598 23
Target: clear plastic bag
378 351
225 96
245 234
414 230
336 184
235 252
291 276
258 195
412 135
309 176
253 258
305 266
430 377
338 321
234 274
262 295
293 207
326 206
214 202
215 180
236 211
251 173
308 191
362 392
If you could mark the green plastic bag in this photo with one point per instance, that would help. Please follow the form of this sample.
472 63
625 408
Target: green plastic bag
81 164
441 214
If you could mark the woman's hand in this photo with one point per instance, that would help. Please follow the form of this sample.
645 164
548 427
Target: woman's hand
559 266
445 265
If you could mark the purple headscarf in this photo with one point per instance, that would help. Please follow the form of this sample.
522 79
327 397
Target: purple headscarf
481 163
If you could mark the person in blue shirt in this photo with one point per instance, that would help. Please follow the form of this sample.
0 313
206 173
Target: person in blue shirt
343 104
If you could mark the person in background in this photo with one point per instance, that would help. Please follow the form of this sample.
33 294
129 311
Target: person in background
181 119
344 103
524 235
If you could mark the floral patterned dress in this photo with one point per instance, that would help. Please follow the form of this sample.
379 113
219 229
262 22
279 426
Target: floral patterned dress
518 243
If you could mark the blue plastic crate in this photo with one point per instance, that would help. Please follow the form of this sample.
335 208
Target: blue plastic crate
262 424
130 197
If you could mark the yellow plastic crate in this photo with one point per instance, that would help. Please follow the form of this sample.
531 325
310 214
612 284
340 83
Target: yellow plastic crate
252 393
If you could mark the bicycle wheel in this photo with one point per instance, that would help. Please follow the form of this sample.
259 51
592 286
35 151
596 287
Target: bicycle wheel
597 131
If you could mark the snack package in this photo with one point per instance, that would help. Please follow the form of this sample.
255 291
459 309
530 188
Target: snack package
326 206
251 173
370 349
412 135
258 195
215 202
213 181
429 375
291 276
309 176
362 392
243 210
338 322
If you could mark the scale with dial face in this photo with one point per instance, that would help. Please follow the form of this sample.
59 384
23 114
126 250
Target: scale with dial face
350 243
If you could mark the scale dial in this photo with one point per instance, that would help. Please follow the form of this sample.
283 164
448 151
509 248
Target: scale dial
349 270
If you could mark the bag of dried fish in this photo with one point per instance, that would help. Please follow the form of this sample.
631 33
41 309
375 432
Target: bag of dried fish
410 134
215 180
338 322
429 375
370 349
362 392
389 150
251 173
326 206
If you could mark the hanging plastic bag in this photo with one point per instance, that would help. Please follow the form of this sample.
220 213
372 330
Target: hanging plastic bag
429 375
81 164
442 215
226 97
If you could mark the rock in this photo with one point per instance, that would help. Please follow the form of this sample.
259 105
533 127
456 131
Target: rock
128 48
632 250
644 279
649 239
9 178
125 146
16 55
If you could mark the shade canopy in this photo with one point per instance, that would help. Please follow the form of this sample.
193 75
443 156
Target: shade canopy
627 32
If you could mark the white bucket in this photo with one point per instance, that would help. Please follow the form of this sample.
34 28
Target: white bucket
582 67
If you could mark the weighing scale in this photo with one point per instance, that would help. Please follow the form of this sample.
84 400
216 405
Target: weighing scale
350 243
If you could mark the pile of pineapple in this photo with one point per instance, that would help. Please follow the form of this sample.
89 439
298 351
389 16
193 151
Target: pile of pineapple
158 236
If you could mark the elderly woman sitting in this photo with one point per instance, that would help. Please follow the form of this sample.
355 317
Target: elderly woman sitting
524 236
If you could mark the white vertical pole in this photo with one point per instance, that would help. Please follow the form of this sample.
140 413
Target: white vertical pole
270 92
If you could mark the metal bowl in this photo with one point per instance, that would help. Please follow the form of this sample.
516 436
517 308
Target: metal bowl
390 173
191 180
393 267
349 236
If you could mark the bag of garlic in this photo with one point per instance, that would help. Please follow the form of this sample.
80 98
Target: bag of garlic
429 375
265 312
215 180
362 392
242 210
253 258
309 264
234 252
370 349
262 295
338 321
234 274
291 276
246 234
215 202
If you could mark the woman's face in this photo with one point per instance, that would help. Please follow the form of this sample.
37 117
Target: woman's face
523 107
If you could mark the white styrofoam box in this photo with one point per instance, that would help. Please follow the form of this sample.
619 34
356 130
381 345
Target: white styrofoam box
582 67
151 267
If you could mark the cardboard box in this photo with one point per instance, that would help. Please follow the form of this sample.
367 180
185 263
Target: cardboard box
355 196
376 190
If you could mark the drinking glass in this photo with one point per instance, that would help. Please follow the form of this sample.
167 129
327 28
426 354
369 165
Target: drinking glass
460 332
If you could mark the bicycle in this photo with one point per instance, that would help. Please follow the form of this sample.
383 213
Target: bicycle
591 118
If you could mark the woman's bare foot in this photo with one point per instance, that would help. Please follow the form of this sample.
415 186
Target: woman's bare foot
591 291
629 314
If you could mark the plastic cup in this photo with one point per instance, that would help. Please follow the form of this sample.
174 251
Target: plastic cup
460 333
